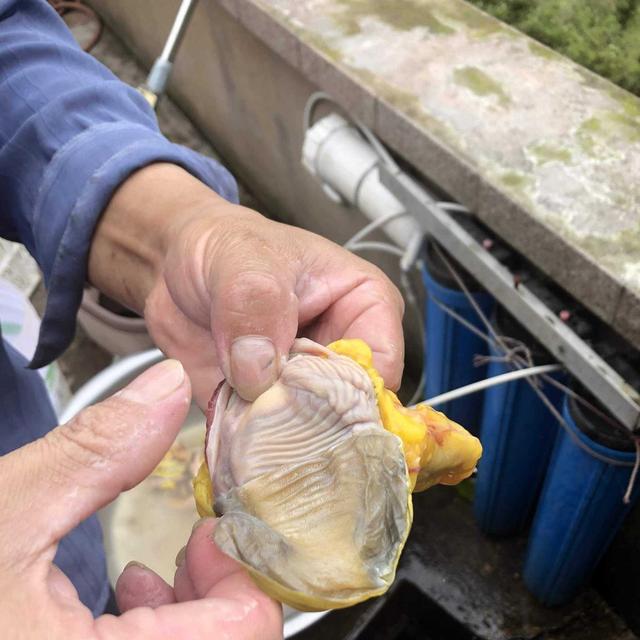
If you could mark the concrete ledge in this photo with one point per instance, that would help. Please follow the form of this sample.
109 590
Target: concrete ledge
544 152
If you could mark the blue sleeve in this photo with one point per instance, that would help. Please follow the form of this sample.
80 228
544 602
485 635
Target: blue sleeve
70 134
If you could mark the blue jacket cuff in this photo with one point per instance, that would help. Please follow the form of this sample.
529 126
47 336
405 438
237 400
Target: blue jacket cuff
97 161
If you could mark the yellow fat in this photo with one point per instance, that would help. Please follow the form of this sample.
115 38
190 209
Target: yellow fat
203 491
437 450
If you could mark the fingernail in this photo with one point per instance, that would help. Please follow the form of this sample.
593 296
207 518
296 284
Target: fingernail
135 563
254 365
155 384
181 556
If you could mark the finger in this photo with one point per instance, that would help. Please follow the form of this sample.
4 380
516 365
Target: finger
183 585
62 589
59 480
377 319
231 604
180 337
254 315
139 586
242 614
372 310
206 564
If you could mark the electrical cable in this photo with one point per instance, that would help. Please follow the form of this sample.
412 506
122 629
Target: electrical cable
377 246
502 378
309 108
552 381
453 206
518 362
372 226
412 303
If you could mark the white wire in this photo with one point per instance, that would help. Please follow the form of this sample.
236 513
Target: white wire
379 148
491 382
312 102
417 394
372 226
453 206
384 220
377 246
412 302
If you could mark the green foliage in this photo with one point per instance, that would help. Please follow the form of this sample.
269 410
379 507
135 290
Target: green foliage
602 35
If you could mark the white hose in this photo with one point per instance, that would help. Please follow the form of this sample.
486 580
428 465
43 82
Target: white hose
372 226
474 387
376 246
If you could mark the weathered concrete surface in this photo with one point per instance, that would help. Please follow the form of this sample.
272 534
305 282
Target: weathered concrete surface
544 151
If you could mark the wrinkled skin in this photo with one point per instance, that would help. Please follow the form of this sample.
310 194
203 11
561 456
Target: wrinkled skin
314 491
314 478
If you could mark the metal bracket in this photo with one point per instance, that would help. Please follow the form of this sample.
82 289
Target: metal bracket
578 357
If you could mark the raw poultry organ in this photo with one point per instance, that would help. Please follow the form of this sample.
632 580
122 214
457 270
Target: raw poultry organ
313 480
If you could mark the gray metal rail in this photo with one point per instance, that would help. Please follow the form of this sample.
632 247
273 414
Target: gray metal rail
578 357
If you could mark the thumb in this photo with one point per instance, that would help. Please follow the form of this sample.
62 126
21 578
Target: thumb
254 318
54 483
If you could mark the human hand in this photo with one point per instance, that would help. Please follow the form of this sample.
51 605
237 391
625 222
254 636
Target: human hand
226 291
50 485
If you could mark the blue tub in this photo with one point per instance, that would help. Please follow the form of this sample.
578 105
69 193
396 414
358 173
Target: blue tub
449 346
517 433
580 509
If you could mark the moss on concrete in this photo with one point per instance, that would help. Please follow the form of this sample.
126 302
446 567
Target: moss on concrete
514 180
542 52
591 126
544 153
403 16
586 136
621 123
607 125
478 23
480 83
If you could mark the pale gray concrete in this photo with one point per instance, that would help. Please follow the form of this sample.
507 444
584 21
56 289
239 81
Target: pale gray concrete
545 152
462 96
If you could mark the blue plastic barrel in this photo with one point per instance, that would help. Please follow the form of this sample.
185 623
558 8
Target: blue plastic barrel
450 346
518 433
580 508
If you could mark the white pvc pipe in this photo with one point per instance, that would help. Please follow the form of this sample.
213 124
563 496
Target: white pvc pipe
474 387
347 165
